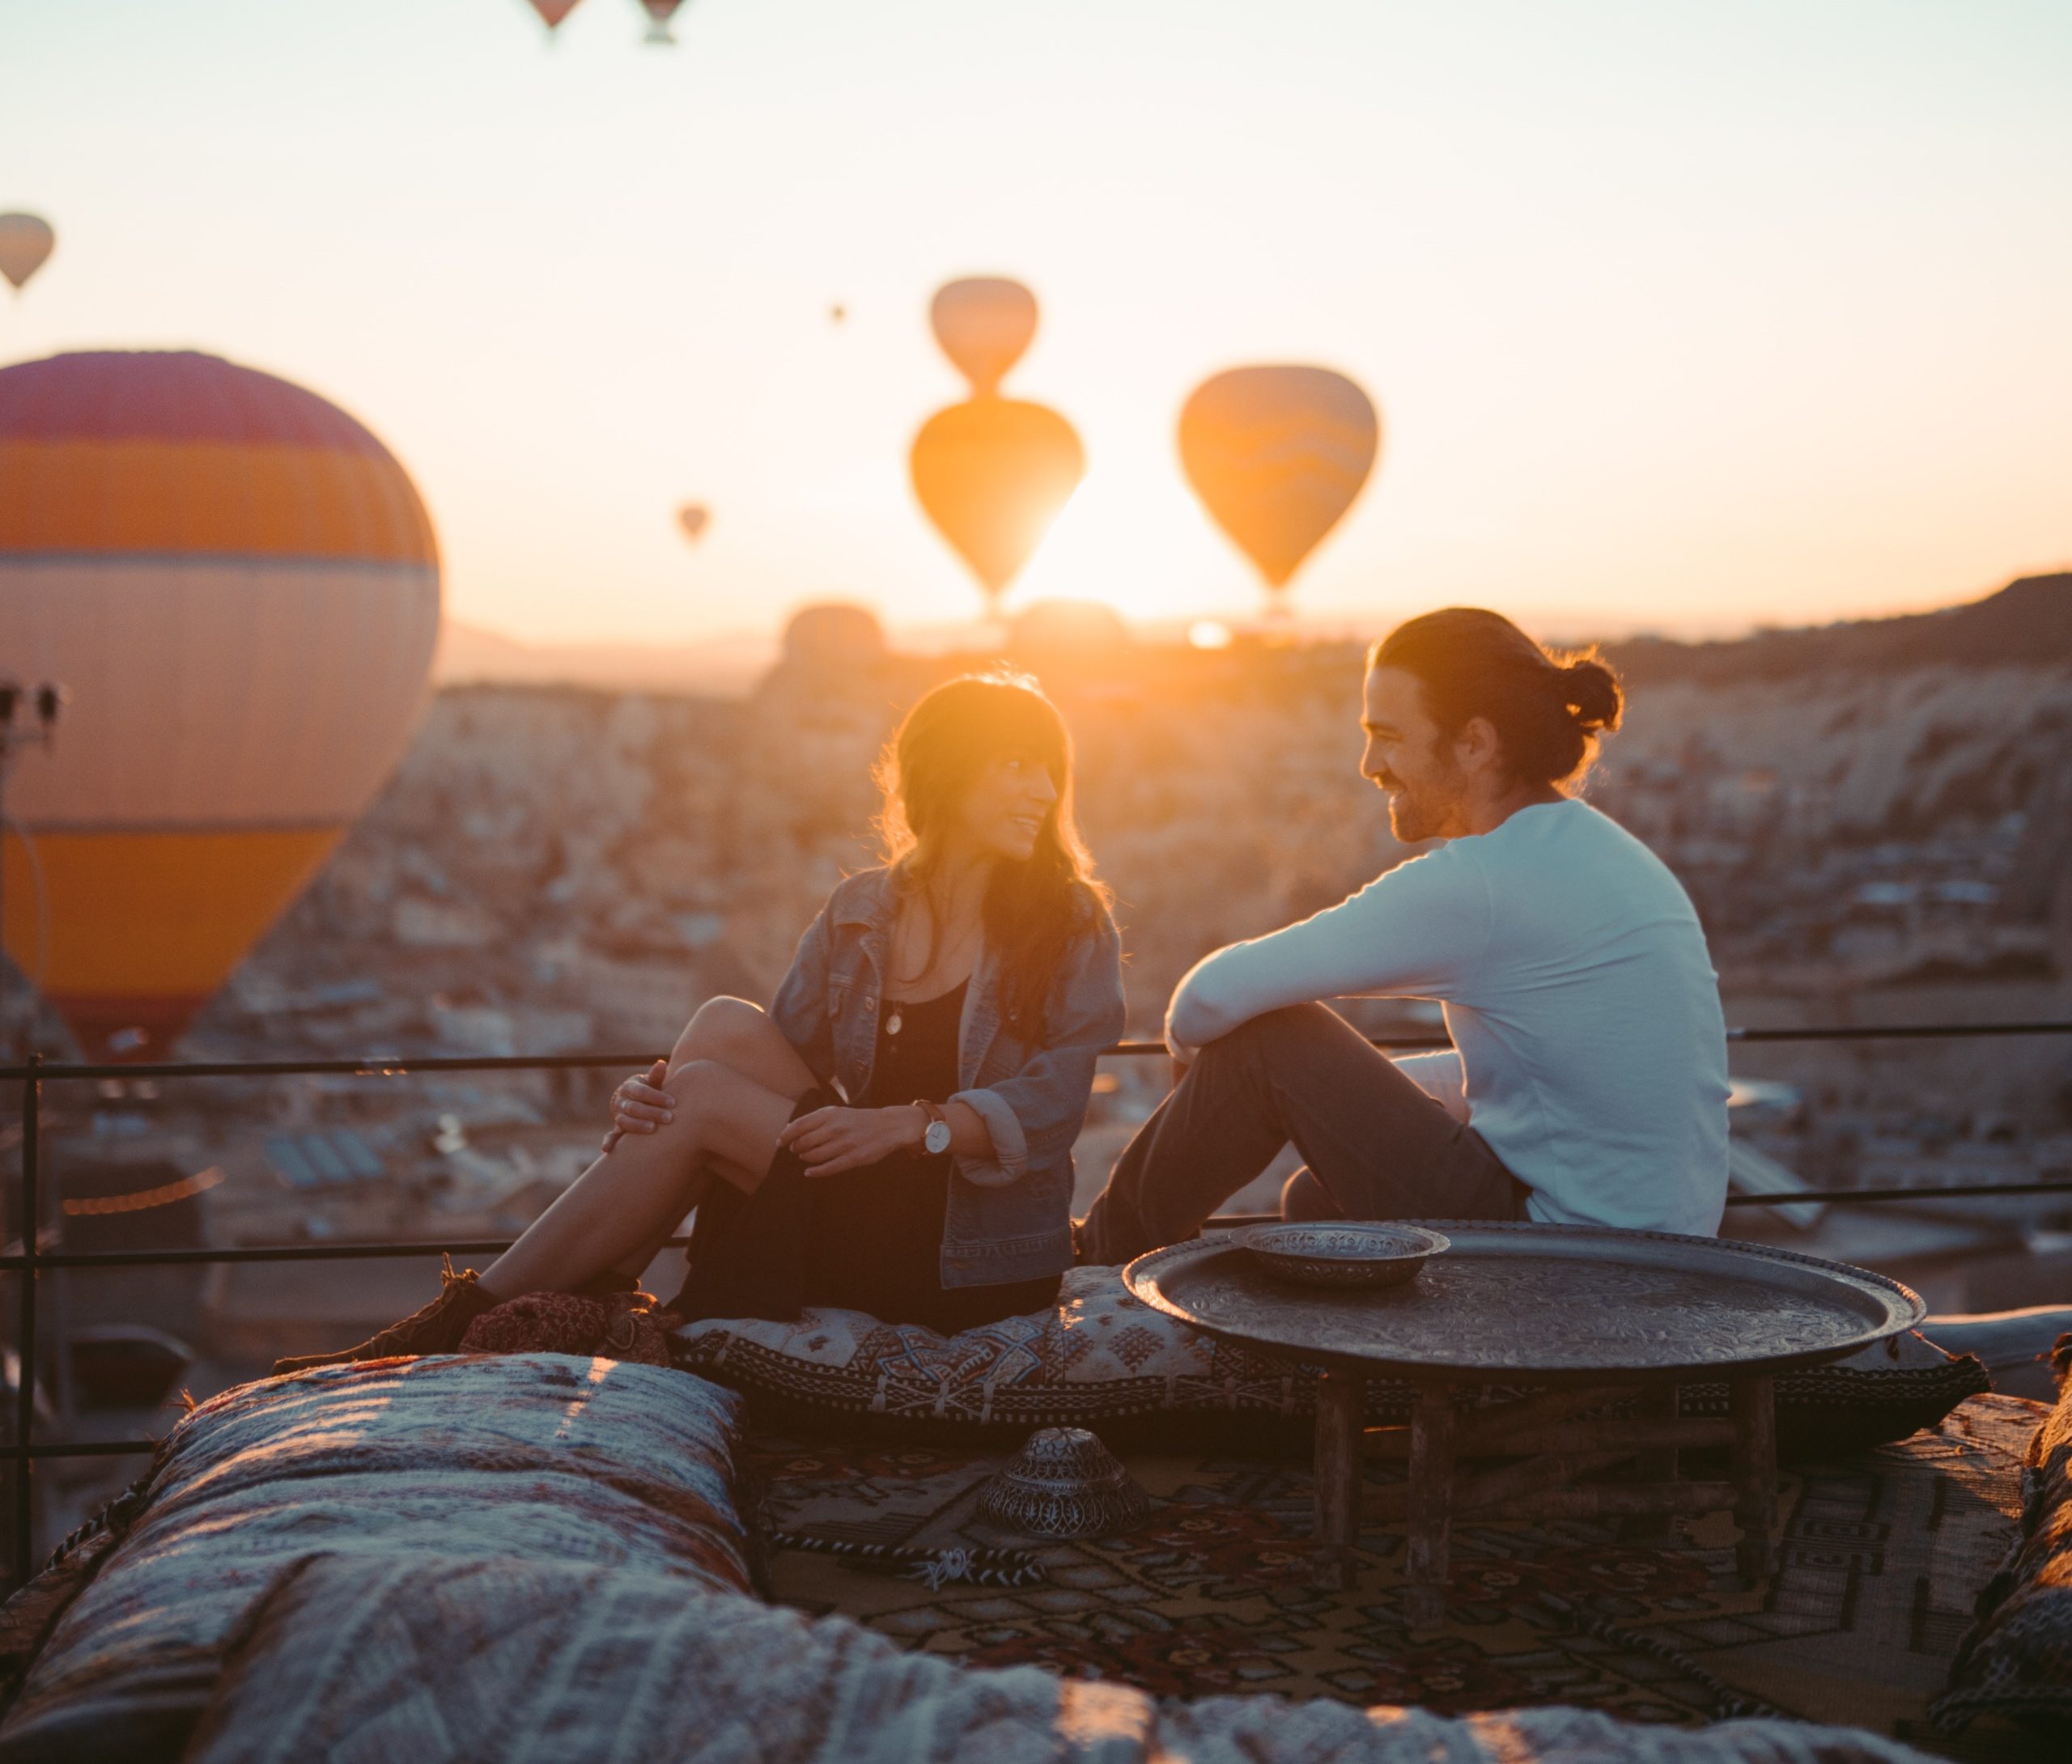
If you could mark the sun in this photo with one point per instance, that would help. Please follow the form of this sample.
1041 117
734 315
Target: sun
1138 542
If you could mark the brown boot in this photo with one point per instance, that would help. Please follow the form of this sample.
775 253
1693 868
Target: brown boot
437 1329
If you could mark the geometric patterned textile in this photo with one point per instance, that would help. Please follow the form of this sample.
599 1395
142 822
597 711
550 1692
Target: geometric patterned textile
2017 1662
447 1460
1101 1353
512 1660
1882 1553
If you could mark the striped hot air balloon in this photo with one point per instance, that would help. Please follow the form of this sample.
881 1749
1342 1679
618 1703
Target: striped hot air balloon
240 587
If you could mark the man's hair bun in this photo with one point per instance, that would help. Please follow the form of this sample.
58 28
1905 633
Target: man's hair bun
1592 695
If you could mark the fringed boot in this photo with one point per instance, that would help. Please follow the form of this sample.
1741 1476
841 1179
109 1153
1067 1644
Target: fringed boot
437 1329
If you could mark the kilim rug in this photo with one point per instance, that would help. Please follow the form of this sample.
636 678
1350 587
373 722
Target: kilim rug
1881 1555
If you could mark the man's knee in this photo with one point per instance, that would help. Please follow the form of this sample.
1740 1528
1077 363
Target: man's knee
1304 1198
1273 1035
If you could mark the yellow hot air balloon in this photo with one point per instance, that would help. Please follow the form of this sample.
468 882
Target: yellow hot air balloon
984 324
240 587
1277 456
992 473
26 241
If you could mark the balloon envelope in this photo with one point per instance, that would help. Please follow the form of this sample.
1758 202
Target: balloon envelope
553 11
659 13
992 474
1277 455
692 518
26 240
984 324
240 587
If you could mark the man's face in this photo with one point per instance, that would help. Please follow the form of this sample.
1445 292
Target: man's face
1405 756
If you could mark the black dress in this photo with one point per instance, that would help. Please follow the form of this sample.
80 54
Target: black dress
867 1240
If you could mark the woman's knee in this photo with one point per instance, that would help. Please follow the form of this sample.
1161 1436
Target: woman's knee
719 1027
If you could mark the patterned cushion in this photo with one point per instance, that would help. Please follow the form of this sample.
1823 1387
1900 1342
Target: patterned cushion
581 1462
2017 1659
1102 1355
501 1660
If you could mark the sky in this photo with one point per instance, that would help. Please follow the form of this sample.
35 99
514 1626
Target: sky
1679 317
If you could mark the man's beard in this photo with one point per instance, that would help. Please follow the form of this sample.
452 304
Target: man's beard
1419 813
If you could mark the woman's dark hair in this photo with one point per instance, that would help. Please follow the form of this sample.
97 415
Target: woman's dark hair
1547 709
1035 908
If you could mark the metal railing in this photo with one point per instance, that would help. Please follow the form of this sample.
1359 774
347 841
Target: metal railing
23 1451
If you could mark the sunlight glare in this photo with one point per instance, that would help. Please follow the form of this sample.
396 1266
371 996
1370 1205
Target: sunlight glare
1136 540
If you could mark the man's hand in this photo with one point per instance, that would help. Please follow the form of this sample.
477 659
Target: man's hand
641 1105
830 1141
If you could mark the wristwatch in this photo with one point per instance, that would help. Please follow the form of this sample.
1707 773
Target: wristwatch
934 1139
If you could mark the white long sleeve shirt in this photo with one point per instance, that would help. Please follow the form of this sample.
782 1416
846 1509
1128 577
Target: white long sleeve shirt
1589 1050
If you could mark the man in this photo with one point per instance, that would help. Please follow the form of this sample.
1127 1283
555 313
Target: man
1587 1084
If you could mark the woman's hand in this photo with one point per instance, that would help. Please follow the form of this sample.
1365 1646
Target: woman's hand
830 1141
641 1105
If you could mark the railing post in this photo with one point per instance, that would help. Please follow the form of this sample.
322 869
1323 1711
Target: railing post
32 1221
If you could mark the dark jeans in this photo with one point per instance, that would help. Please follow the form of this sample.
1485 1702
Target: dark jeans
1376 1145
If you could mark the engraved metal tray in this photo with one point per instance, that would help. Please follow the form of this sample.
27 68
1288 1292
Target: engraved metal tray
1556 1304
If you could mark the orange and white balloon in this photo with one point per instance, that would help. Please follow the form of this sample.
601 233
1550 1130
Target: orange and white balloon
1277 456
984 324
26 244
240 587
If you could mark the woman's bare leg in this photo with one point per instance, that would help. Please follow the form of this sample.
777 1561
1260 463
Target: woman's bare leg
740 1037
631 1198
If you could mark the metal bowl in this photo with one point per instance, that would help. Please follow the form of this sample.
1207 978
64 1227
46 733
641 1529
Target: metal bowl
1345 1253
1063 1483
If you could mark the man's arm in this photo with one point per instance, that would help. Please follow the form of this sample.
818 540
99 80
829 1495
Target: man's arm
1411 932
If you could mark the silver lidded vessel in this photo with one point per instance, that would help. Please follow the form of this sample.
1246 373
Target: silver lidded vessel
1063 1483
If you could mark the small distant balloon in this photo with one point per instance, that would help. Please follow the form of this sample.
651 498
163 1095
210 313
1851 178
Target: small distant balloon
692 518
659 13
992 474
836 313
984 324
552 12
1277 456
26 241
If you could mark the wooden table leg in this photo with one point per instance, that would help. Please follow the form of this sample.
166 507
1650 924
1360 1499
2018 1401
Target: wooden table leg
1753 1403
1656 1464
1341 1406
1427 1558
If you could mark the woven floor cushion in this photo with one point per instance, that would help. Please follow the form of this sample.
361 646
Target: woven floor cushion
1101 1355
508 1660
553 1458
2016 1662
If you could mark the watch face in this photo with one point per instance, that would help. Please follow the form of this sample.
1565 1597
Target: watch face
936 1138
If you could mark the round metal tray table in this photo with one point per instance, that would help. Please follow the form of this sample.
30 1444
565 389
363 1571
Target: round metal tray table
1585 1316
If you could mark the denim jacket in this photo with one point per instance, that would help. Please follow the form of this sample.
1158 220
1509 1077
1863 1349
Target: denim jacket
1010 1216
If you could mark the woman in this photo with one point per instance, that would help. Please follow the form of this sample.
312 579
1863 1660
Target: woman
895 1135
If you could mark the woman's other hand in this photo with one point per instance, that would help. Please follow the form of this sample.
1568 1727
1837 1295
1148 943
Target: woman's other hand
641 1105
830 1141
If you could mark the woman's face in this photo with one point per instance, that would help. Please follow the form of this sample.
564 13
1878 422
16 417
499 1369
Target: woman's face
1005 809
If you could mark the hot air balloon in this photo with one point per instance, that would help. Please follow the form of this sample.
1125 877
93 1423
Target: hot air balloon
26 240
552 12
692 518
659 13
1276 456
240 585
992 473
983 323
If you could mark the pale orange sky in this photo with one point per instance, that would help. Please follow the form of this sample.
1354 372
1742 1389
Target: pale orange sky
1678 317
